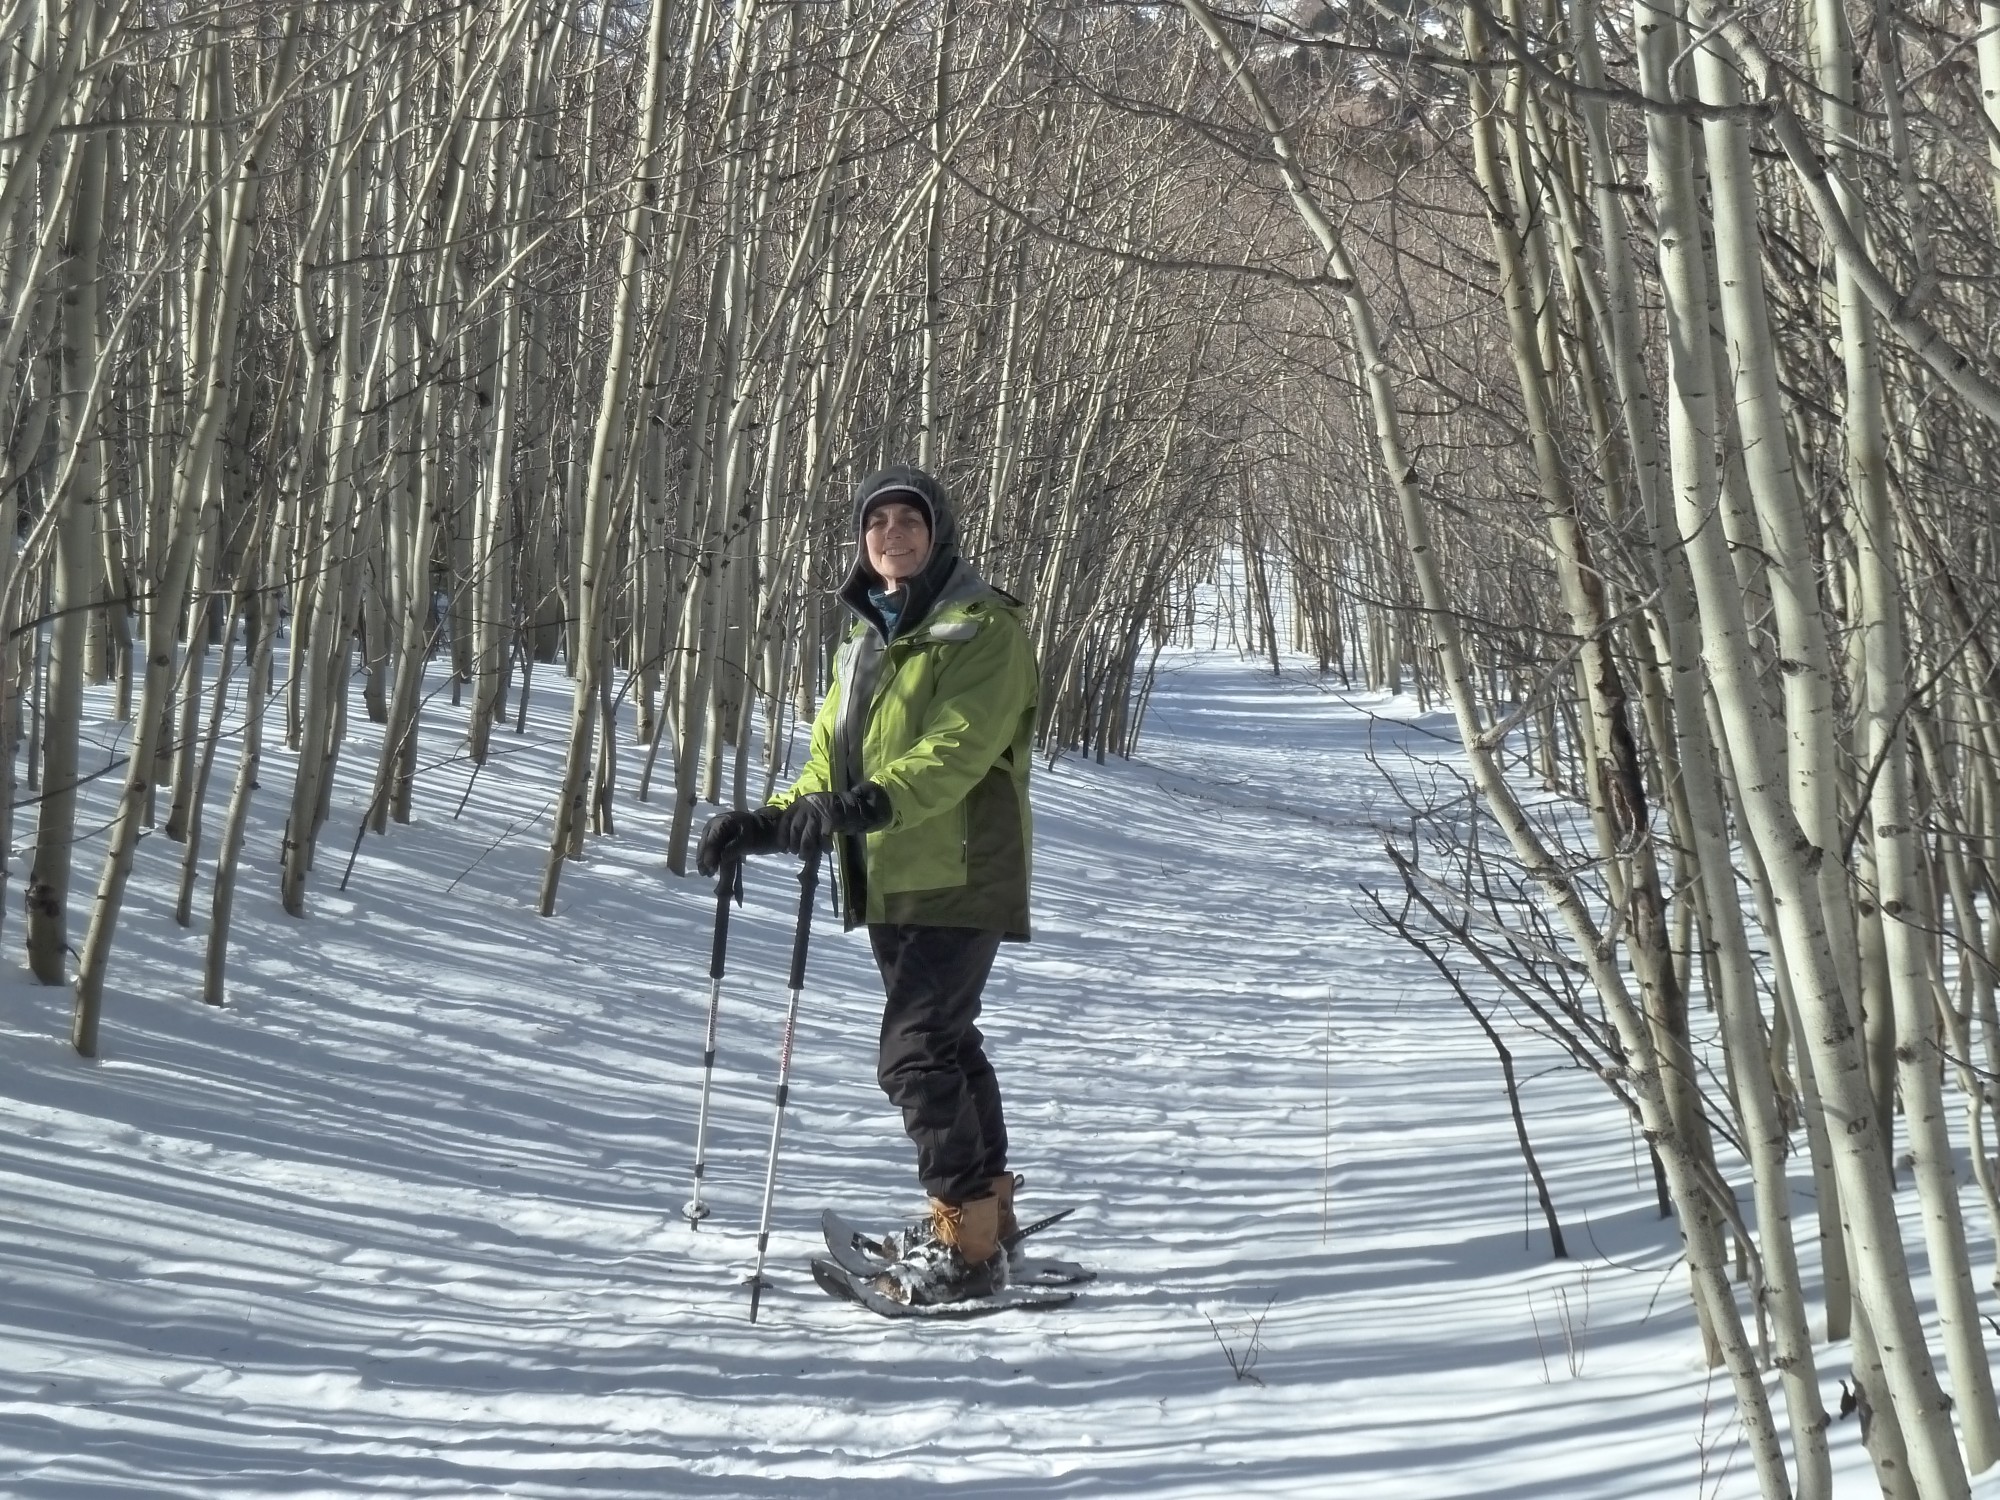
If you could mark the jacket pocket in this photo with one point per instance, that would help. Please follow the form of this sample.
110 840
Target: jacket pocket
928 857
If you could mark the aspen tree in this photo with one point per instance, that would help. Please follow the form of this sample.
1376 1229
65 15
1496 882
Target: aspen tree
1791 859
48 890
1976 976
184 718
1989 90
459 138
1898 867
562 610
931 450
320 665
1825 187
261 629
191 827
593 560
1617 788
37 245
46 97
1703 1244
229 270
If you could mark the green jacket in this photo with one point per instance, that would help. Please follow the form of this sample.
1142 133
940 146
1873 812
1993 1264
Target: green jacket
947 732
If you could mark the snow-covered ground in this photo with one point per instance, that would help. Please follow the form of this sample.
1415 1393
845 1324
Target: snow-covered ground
404 1218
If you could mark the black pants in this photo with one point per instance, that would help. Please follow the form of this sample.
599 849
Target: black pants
933 1065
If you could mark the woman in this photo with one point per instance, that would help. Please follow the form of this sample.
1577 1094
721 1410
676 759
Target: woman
918 783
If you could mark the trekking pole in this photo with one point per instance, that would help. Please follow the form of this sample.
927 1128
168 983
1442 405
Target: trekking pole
729 882
808 879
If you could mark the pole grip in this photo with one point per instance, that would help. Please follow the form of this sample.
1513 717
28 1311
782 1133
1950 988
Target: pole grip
808 883
728 882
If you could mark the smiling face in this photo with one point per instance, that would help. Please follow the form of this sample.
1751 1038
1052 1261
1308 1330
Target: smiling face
898 538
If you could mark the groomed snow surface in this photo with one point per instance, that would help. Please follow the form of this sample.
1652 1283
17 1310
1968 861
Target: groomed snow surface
404 1218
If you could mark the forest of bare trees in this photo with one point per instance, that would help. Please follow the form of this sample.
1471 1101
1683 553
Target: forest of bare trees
1733 413
1624 378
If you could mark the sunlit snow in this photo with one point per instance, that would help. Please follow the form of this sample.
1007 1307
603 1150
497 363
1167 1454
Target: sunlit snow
404 1218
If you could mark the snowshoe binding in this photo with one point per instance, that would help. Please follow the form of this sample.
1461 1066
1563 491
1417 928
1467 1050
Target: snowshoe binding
962 1259
935 1273
866 1255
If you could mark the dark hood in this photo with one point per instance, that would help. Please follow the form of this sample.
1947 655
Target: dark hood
923 590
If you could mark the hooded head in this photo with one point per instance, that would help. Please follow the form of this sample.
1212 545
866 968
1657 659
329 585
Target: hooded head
909 486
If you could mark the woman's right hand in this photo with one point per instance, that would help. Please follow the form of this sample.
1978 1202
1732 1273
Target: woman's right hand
735 835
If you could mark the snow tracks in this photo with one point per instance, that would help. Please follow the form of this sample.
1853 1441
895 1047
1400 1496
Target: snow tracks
403 1220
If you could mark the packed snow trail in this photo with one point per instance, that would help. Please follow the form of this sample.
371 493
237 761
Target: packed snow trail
404 1219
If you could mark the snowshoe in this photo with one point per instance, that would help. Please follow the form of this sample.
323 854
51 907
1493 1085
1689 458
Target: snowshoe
836 1281
864 1255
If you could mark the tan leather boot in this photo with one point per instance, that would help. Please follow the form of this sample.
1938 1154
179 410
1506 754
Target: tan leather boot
1003 1190
972 1228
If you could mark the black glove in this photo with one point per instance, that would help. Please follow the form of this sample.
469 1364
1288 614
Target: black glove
732 836
810 823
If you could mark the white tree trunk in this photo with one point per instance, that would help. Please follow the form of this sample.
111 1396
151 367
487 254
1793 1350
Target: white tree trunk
1791 859
189 501
594 562
76 577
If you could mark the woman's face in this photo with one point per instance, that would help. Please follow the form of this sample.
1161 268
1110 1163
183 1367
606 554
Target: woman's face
898 539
